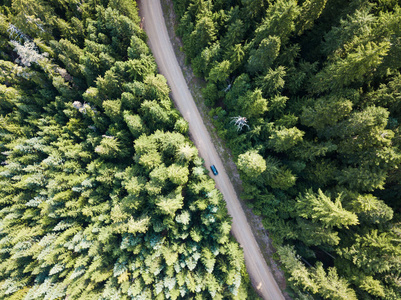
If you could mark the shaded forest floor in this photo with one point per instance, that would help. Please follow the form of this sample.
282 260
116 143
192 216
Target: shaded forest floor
195 84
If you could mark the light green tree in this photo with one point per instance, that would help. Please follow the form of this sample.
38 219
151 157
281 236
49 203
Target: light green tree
285 138
220 72
318 207
251 163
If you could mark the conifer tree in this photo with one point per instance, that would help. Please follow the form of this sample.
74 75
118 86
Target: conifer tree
251 163
319 208
102 192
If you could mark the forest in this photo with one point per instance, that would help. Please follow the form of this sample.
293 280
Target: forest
102 194
319 84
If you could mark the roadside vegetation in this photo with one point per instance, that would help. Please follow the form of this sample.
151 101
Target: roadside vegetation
318 83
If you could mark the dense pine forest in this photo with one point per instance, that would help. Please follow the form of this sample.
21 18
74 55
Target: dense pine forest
102 194
319 84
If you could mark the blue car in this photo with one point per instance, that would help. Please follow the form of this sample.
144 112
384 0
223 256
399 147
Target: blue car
214 170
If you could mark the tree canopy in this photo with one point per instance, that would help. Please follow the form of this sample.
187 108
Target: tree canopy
319 85
102 194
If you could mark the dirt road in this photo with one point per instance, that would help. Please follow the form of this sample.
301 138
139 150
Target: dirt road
162 49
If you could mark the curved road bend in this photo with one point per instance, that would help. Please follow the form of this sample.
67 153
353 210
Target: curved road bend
162 49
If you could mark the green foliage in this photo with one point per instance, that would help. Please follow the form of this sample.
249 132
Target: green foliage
251 163
326 112
284 179
220 72
319 85
203 35
134 123
103 195
263 57
252 104
315 281
371 210
285 138
319 207
354 68
273 81
310 11
279 21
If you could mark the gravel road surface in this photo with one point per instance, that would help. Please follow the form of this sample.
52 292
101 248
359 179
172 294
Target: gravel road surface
162 49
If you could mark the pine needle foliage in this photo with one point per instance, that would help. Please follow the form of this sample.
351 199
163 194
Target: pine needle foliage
102 194
318 83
